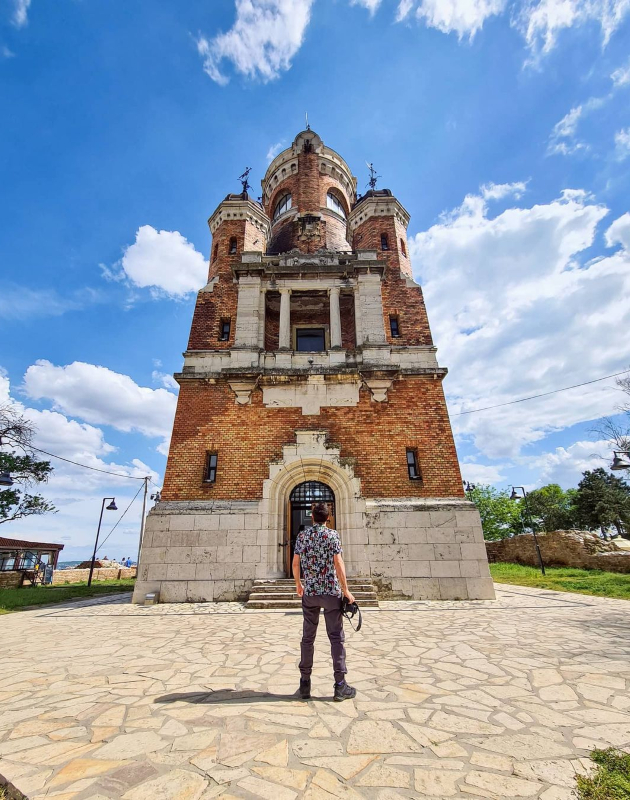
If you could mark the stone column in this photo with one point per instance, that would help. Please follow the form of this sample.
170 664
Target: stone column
357 318
261 318
335 318
285 319
369 311
247 312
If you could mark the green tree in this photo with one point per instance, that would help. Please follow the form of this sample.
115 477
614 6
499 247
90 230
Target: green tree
552 508
16 433
603 500
500 516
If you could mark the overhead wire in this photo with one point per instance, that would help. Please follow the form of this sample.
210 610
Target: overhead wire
120 519
542 394
85 466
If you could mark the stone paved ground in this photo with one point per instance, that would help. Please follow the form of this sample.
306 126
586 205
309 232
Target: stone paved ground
455 700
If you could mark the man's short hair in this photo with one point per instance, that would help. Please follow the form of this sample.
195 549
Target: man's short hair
321 512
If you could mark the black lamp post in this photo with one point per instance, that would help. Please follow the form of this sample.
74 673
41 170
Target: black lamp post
6 479
111 507
619 463
516 496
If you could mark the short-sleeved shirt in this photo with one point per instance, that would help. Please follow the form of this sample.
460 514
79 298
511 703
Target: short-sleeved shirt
317 547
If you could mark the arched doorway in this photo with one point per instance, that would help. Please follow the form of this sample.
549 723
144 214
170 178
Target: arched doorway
301 500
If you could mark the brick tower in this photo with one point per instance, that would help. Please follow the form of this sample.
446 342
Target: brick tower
311 374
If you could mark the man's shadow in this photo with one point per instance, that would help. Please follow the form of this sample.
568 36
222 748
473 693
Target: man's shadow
231 697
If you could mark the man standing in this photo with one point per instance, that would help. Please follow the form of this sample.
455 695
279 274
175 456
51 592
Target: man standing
318 554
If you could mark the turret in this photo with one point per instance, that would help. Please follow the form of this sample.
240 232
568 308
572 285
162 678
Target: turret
308 191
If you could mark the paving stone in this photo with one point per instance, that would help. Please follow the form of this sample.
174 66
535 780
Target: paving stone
502 785
178 784
369 736
277 756
436 782
83 768
130 745
293 778
266 790
312 748
346 766
384 775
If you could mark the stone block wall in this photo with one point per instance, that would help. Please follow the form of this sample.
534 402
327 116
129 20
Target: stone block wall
10 580
426 550
410 548
61 576
580 549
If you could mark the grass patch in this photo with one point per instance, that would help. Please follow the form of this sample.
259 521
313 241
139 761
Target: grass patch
611 780
565 579
17 599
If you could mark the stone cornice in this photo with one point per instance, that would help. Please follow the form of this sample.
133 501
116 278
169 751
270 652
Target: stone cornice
382 206
239 209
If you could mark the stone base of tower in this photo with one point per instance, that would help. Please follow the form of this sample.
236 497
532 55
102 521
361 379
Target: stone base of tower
416 548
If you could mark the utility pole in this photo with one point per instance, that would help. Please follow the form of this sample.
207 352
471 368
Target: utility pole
144 506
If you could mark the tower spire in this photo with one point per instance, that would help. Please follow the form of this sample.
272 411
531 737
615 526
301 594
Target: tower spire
373 176
243 179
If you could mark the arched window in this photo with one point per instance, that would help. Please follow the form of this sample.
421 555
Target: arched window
233 246
334 205
403 249
284 204
384 242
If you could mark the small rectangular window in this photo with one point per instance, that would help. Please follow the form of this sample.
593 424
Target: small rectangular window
412 465
224 330
233 246
384 242
394 327
310 340
211 468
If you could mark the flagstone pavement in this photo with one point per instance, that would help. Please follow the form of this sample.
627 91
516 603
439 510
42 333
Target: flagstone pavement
480 699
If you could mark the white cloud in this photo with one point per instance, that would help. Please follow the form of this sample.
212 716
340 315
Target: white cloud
621 76
498 191
463 17
264 38
542 21
99 395
565 465
274 150
77 492
370 5
6 53
167 381
563 136
514 313
165 261
20 12
619 232
482 473
622 144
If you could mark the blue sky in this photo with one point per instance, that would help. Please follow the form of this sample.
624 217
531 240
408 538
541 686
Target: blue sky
502 126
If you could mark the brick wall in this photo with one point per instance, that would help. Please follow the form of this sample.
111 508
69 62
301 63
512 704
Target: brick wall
248 437
399 299
308 188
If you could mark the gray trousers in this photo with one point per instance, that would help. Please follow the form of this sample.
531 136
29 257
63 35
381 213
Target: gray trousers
334 628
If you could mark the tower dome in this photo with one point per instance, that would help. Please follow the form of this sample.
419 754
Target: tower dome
308 192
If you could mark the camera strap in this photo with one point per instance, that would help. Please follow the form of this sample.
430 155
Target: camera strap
349 610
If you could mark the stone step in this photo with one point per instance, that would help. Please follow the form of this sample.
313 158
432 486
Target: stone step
295 604
280 594
359 596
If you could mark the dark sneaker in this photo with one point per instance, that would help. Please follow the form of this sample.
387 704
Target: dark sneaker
344 692
305 688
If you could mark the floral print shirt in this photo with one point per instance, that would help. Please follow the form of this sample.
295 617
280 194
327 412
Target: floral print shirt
317 547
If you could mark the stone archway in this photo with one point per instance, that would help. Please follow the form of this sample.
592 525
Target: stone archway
311 458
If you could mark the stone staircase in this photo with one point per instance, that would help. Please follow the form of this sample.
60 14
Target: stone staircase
281 594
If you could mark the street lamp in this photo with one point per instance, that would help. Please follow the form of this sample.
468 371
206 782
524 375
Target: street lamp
6 479
111 507
516 496
619 463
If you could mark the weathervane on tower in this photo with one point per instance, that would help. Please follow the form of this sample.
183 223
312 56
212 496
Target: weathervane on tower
308 127
373 176
243 179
